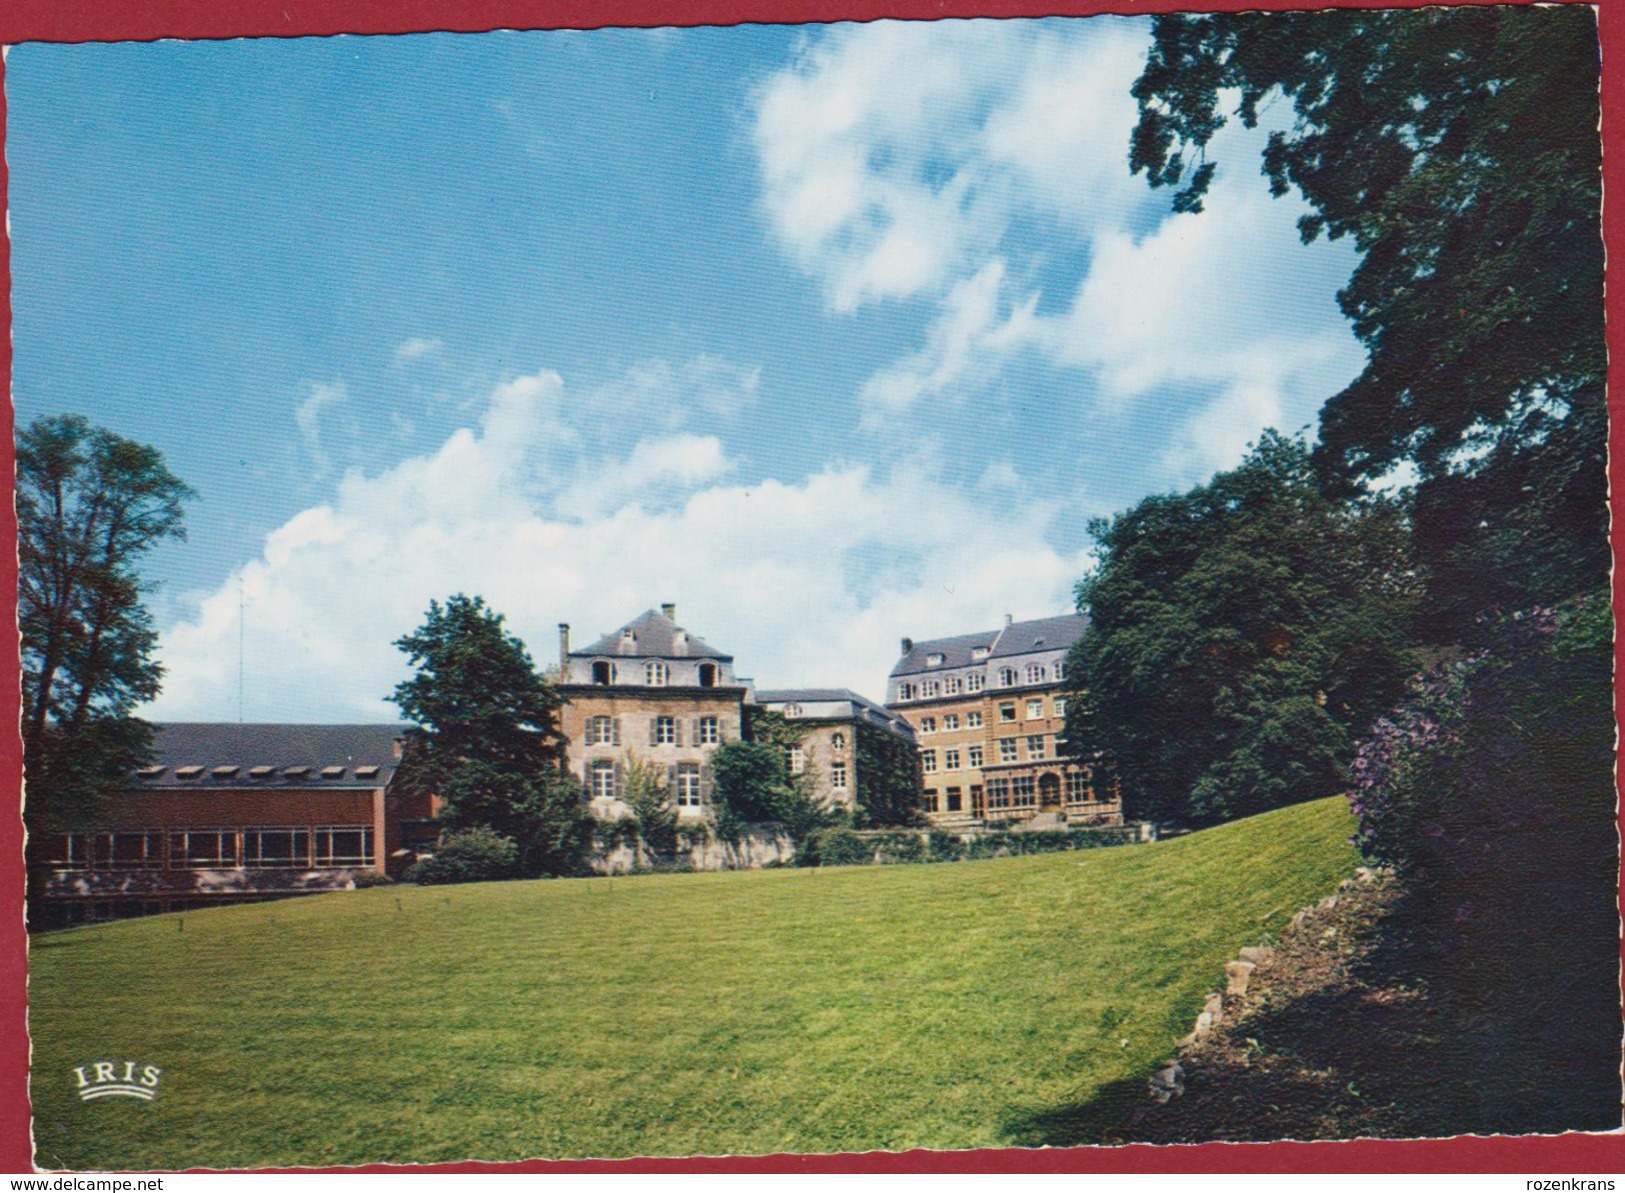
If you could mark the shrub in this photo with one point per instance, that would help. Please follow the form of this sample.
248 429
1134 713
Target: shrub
945 847
474 854
841 846
367 878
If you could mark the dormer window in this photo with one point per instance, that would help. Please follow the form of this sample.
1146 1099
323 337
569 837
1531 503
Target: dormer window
933 660
656 675
603 673
1007 677
979 652
708 675
792 710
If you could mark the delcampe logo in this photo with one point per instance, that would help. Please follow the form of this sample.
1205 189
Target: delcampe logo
118 1079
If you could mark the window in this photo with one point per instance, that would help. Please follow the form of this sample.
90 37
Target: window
952 685
905 691
603 673
980 652
998 793
1007 677
343 847
1060 668
929 800
950 760
973 755
710 732
131 851
950 721
656 674
69 851
930 688
203 849
1021 792
1060 707
1007 712
1007 749
688 784
1035 673
600 731
973 682
276 848
933 660
1078 787
1035 710
1035 746
601 780
663 732
928 724
973 720
798 760
837 741
955 803
928 761
792 710
837 776
708 675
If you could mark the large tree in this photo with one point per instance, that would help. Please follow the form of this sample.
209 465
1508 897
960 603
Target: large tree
90 504
1458 148
485 737
1242 636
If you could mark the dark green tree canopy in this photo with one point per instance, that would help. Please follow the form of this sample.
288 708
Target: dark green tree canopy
1459 148
485 737
1241 636
90 504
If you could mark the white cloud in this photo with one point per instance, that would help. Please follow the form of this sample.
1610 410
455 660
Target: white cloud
417 346
955 161
805 582
308 416
660 394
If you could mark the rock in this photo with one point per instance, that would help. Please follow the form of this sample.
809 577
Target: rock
1214 1006
1299 918
1204 1025
1167 1083
1237 974
1365 875
1258 954
1329 902
1345 884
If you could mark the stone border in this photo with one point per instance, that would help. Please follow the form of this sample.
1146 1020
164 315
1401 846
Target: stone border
1167 1081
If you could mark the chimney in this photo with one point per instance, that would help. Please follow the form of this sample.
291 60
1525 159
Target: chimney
1008 621
669 611
907 644
564 647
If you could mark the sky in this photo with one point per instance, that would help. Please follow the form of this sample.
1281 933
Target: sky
829 334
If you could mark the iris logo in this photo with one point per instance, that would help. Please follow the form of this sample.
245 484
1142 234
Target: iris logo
118 1079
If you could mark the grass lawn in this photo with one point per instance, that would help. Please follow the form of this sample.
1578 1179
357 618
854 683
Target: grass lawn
977 1004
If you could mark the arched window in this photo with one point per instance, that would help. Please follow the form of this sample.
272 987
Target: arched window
905 691
603 673
1035 673
656 674
837 741
973 681
1060 668
929 688
708 675
792 710
952 685
1007 677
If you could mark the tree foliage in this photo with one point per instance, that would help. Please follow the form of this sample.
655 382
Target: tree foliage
1242 635
647 794
90 504
1458 148
485 737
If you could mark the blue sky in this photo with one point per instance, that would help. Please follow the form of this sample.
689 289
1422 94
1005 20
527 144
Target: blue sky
831 334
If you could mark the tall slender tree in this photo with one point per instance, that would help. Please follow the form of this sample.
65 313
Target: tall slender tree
90 504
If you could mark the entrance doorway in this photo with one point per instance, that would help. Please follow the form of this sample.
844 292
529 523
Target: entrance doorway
1049 793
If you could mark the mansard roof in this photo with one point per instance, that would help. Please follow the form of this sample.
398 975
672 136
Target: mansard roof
858 707
213 755
653 635
1019 638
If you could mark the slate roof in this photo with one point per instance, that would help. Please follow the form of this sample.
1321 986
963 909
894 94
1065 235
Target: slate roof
654 637
834 696
247 747
1021 638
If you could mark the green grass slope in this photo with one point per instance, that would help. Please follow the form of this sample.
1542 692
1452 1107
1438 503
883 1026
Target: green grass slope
951 1006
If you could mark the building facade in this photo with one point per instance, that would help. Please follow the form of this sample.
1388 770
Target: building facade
649 693
237 812
860 756
989 715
